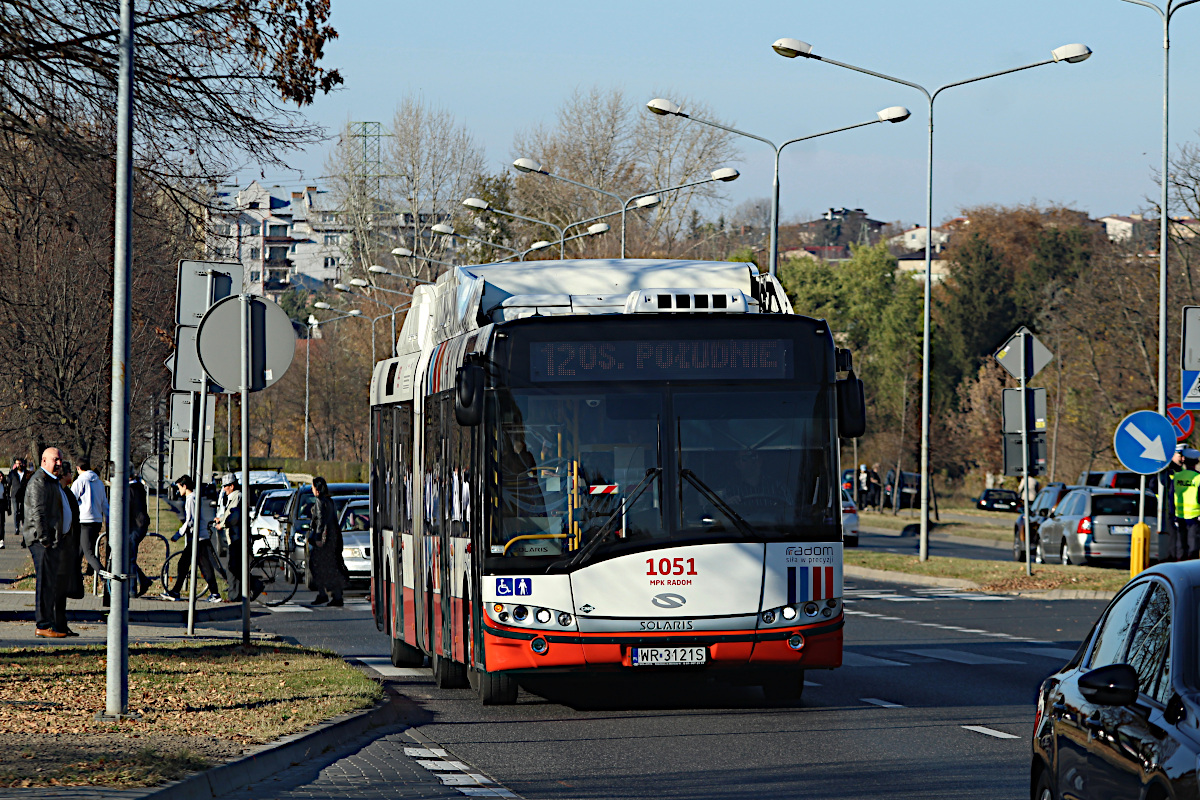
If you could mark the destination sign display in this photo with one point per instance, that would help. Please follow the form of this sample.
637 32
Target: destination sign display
662 360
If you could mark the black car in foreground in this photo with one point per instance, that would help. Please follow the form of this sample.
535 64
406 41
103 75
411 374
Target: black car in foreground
1122 718
998 500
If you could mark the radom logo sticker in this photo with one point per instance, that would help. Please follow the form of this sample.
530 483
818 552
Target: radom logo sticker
669 600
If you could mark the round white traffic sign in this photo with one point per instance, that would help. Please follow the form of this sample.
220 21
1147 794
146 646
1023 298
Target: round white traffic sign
219 342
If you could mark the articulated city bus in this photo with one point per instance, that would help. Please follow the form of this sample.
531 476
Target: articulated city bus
583 466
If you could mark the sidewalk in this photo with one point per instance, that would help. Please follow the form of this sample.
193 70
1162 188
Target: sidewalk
18 605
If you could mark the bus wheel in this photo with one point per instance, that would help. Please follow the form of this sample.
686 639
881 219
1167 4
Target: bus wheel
449 674
784 688
405 655
494 688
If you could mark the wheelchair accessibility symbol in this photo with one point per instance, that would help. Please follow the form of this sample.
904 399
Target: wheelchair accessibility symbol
514 587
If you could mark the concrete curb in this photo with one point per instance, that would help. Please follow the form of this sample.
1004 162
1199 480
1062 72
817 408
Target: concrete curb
277 756
851 571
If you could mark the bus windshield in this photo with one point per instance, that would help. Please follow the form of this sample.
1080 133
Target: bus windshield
658 464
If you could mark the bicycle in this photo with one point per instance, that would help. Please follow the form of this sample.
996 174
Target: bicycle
152 556
273 576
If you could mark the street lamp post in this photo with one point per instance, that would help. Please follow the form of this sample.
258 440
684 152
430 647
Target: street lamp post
1071 54
664 107
483 205
1166 15
362 283
313 324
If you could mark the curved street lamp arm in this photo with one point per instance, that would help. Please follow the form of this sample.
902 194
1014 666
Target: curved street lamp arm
587 221
882 75
536 222
941 89
480 241
1172 8
827 133
1148 4
767 142
580 185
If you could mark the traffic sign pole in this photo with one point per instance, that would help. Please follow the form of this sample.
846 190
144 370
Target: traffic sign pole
201 405
245 586
1025 359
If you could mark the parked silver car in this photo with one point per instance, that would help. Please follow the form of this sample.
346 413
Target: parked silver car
1093 524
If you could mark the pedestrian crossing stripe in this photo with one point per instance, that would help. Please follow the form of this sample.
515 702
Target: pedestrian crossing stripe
809 583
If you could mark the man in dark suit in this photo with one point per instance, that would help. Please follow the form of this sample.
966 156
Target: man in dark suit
47 519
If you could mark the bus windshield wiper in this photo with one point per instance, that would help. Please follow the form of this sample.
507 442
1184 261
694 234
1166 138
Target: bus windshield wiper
711 495
608 527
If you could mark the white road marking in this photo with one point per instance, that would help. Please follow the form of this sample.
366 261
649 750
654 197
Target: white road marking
1049 652
424 752
875 701
442 766
383 665
959 656
859 660
990 732
289 608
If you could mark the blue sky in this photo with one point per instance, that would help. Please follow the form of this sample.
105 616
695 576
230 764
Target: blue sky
1086 135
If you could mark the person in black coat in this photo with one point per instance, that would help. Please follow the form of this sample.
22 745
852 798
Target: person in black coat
14 494
46 523
70 577
325 547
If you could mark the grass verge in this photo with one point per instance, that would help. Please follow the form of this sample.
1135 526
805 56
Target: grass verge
995 576
200 703
889 523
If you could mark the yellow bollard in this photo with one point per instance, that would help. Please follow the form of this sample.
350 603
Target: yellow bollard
1139 549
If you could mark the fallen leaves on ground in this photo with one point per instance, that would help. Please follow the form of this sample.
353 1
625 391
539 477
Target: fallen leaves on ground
189 695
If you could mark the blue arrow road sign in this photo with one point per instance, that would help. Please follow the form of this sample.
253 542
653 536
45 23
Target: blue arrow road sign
1144 442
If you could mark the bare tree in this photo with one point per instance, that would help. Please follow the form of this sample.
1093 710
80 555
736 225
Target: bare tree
216 80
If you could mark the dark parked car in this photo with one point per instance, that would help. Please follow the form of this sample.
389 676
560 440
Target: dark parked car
910 492
1039 510
295 518
1120 479
1090 478
1092 524
998 500
1119 720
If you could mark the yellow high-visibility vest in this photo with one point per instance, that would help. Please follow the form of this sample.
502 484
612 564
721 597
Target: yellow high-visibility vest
1187 494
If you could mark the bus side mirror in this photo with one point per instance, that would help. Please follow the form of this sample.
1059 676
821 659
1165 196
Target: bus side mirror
851 407
468 395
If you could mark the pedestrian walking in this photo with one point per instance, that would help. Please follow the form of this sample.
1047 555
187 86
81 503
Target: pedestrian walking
229 523
14 491
191 524
1028 487
47 520
325 547
875 494
70 575
863 484
93 507
1186 543
139 525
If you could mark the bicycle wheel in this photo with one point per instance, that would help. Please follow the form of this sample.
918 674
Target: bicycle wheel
170 570
273 580
152 555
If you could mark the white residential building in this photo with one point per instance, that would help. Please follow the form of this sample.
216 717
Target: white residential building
1122 228
915 237
282 239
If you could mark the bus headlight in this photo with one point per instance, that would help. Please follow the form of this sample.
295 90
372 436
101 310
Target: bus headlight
543 615
810 609
520 613
789 612
564 619
768 617
796 641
